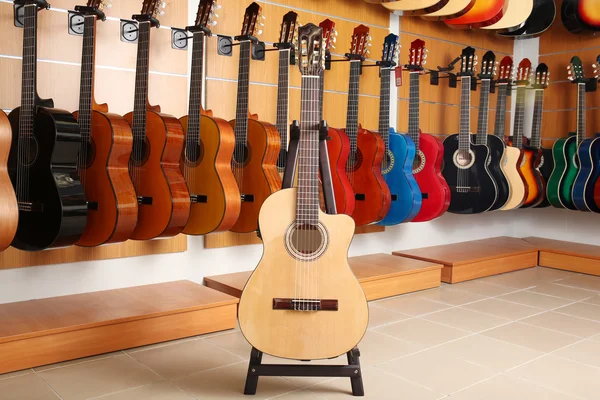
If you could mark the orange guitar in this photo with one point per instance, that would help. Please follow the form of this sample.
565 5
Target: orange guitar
106 143
483 13
256 143
209 143
163 197
9 211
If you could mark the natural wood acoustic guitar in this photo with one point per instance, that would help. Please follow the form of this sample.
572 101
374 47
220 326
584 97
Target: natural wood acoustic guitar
302 301
208 149
515 16
163 196
106 143
9 211
256 143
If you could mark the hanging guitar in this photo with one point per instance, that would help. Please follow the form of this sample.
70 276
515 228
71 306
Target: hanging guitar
256 143
581 16
43 157
302 301
208 147
163 196
452 9
541 18
542 78
465 164
397 166
9 210
484 13
106 143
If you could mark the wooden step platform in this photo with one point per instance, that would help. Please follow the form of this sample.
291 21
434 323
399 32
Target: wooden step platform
46 331
478 258
577 257
381 275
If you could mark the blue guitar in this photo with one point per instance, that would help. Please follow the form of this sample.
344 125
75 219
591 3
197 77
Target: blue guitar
588 151
400 151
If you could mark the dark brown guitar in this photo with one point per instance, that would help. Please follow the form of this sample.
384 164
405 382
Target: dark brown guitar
106 143
256 143
162 194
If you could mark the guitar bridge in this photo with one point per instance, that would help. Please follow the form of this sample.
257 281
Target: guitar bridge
360 197
31 207
466 189
92 205
198 198
247 198
305 304
144 200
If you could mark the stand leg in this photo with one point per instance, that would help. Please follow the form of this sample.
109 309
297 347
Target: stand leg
356 381
325 170
292 156
252 377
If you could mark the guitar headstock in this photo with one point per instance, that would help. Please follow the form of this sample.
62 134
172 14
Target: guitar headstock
390 51
329 34
417 55
253 18
151 9
488 66
542 77
505 73
206 16
524 72
575 69
311 50
468 61
287 33
359 47
94 7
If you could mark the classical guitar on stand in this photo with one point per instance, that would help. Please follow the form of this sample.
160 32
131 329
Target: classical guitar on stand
302 301
494 143
541 80
367 149
256 143
9 210
163 196
208 149
43 156
465 164
397 166
106 143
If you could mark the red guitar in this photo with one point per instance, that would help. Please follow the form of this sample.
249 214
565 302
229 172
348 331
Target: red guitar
427 167
367 149
484 13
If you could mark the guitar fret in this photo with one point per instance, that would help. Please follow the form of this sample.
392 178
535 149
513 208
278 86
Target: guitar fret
581 110
484 107
352 113
384 106
283 87
464 136
414 108
536 138
193 129
519 117
500 124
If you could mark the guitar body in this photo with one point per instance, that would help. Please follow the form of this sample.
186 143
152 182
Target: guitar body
427 170
406 196
541 18
373 198
60 211
516 181
483 13
560 185
546 166
580 16
482 193
113 208
211 176
9 210
257 175
497 159
589 172
160 179
452 9
338 148
536 186
293 334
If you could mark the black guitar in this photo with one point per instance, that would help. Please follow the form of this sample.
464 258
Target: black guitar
465 164
494 143
43 156
540 20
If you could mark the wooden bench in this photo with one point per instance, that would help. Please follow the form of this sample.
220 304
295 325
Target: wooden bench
569 256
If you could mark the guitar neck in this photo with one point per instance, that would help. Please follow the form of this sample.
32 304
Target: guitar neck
141 82
283 90
86 91
384 105
29 71
500 124
536 128
352 115
413 108
307 201
464 135
484 109
241 110
519 118
192 137
581 109
321 93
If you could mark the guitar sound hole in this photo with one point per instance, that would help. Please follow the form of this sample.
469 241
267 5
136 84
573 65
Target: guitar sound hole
194 153
354 161
464 159
419 162
140 152
242 154
28 150
388 162
306 242
85 160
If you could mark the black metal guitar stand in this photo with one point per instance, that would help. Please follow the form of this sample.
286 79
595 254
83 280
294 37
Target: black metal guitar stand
352 370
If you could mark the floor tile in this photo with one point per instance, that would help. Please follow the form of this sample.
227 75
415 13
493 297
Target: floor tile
97 378
411 305
483 288
381 316
530 336
449 295
588 282
490 353
518 280
378 384
564 323
593 300
16 373
582 310
376 348
438 371
26 387
552 274
503 309
464 319
185 358
78 361
586 352
157 391
306 381
163 344
563 291
562 375
422 332
228 383
301 394
504 387
535 300
233 342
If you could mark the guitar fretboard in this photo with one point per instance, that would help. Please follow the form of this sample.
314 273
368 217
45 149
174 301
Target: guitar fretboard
192 138
384 106
484 109
321 93
500 124
464 136
241 110
536 128
519 118
283 89
87 79
581 109
413 108
352 115
141 86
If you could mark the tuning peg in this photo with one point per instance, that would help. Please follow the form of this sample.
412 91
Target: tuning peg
214 14
424 56
213 23
262 16
594 66
217 6
161 13
332 46
163 4
259 32
569 66
261 24
334 39
369 38
424 62
369 44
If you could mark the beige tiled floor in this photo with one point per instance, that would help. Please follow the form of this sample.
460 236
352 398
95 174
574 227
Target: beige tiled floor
527 335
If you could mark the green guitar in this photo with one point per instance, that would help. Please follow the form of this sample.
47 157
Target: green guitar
559 190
